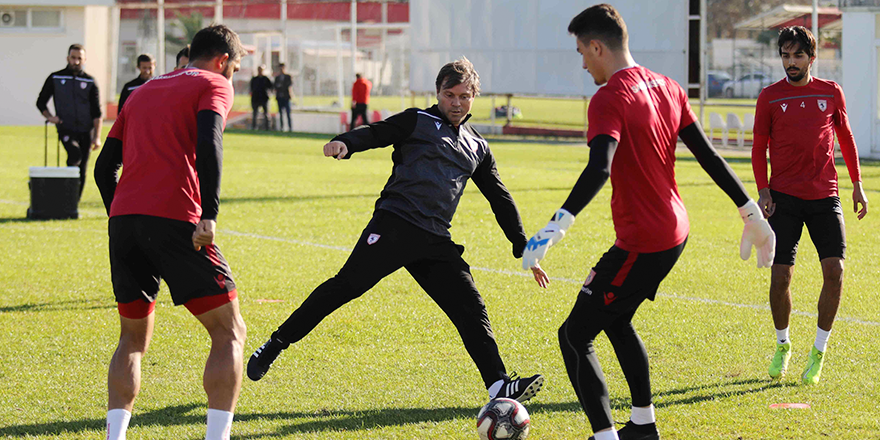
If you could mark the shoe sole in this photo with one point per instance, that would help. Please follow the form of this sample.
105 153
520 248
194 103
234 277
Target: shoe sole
531 390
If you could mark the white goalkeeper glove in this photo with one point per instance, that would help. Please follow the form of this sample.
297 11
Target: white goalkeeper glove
537 246
757 233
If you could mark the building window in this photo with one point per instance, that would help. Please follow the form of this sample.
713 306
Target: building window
45 19
31 19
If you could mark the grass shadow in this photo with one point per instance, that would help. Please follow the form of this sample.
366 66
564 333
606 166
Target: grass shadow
90 304
324 420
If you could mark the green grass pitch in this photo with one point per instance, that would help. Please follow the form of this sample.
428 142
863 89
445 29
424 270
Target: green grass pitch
390 365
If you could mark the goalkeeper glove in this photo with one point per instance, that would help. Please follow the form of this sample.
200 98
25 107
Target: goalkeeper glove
537 246
757 233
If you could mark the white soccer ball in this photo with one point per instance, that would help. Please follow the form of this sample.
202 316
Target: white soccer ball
503 418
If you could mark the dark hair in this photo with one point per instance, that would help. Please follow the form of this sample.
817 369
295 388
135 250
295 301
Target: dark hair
214 41
357 75
145 58
460 71
600 22
74 47
282 65
798 35
183 53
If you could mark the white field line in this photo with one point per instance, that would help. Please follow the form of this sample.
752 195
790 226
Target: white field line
564 280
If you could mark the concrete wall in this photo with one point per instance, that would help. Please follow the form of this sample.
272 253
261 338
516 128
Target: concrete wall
30 56
860 77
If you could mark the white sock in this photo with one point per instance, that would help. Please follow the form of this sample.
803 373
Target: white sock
782 336
219 424
117 423
606 435
643 416
821 339
495 388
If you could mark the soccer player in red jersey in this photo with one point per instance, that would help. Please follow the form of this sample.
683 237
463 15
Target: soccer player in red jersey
797 117
163 212
635 119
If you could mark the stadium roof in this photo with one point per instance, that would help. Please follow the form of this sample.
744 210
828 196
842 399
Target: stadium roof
333 11
792 15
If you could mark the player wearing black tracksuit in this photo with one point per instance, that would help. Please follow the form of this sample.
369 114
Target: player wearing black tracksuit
433 160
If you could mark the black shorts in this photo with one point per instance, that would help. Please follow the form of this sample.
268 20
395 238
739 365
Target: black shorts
622 280
145 249
824 220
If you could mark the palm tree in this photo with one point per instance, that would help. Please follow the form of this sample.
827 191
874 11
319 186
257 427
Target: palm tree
187 25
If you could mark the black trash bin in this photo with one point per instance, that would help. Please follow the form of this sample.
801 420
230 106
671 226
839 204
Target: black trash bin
54 193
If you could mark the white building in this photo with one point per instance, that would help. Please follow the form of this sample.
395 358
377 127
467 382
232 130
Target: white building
34 37
861 72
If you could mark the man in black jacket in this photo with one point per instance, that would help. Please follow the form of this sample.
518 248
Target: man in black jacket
260 87
435 153
77 110
146 65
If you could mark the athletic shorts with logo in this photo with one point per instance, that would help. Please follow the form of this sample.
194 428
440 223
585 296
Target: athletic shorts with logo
824 220
146 249
621 280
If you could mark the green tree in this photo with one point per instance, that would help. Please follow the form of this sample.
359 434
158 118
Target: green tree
184 29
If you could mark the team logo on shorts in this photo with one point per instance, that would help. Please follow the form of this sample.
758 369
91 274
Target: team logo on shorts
822 104
221 280
609 298
373 238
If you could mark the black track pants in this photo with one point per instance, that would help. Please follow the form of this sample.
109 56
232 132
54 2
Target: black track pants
387 244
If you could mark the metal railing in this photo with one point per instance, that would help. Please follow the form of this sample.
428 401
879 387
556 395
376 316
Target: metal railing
856 3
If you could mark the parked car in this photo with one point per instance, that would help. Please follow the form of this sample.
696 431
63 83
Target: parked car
715 83
747 86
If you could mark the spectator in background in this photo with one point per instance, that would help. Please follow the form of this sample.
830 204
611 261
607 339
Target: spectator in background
77 110
260 87
360 98
182 58
146 64
283 94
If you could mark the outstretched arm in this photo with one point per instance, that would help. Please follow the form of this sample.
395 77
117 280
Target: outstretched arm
714 165
757 231
378 134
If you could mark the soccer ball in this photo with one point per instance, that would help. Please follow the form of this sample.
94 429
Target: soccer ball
503 418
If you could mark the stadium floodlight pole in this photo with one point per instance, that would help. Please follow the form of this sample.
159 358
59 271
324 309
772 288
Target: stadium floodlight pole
815 19
283 57
340 98
354 33
703 51
218 11
160 35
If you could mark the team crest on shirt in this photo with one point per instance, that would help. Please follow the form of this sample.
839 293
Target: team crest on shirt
63 81
822 104
373 238
82 85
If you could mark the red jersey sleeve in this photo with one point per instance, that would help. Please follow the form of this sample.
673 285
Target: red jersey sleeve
118 128
687 114
217 96
604 116
845 137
